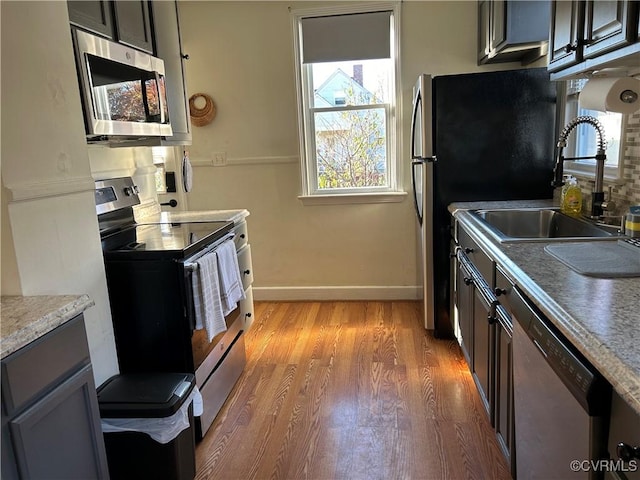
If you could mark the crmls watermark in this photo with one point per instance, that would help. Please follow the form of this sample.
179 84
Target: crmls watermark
603 466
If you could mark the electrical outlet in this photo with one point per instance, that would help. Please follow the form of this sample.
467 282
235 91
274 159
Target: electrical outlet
219 158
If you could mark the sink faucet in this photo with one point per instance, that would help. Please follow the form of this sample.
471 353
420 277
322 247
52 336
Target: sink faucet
597 196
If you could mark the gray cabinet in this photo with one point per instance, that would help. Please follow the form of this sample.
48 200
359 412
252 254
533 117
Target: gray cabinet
591 35
169 49
475 297
464 303
50 415
512 31
94 16
567 25
485 328
133 24
503 386
483 332
124 21
624 439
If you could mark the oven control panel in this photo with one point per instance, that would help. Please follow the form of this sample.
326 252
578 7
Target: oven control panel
115 193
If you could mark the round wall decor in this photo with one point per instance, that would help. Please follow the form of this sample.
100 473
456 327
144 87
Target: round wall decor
201 116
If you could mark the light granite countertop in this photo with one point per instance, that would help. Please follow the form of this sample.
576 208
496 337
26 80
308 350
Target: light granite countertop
234 216
600 316
25 319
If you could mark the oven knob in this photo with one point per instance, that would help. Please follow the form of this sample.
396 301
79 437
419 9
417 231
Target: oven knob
128 191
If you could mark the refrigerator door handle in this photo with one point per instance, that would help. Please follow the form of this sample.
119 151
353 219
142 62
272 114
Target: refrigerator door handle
419 212
414 115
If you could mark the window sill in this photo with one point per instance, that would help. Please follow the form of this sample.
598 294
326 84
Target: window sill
352 198
589 176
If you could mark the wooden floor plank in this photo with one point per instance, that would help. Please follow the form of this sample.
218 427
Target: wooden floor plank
349 390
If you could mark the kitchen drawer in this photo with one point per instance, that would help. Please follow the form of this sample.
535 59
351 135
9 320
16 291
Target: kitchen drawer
244 263
241 237
217 388
246 308
222 342
481 260
508 298
32 371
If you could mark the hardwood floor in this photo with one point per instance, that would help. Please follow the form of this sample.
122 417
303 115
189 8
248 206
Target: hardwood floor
350 390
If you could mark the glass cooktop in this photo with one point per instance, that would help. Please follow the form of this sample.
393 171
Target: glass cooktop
164 240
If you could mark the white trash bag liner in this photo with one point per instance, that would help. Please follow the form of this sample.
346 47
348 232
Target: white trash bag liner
163 429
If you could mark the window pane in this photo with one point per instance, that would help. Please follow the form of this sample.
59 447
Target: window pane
361 82
587 138
351 148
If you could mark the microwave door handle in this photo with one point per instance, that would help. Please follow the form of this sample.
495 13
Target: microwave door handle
161 105
145 98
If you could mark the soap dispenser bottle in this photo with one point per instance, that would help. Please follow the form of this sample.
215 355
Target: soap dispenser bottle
571 197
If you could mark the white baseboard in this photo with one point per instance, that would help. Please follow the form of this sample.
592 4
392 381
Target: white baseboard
337 293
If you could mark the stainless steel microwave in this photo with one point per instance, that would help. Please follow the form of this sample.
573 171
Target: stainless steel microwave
123 90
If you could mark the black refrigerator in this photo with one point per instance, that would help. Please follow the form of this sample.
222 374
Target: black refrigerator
479 136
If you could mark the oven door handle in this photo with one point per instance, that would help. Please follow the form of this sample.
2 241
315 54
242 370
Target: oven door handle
191 264
189 312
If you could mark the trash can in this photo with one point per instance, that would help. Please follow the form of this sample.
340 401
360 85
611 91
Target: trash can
147 423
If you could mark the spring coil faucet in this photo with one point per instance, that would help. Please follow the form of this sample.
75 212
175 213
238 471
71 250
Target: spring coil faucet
600 157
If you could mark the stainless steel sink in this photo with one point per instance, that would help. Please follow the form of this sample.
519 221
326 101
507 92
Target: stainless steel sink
513 225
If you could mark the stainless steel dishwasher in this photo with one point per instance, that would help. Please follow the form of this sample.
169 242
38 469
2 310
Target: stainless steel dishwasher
561 402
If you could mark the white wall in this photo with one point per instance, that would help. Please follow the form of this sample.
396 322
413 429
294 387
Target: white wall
49 227
241 53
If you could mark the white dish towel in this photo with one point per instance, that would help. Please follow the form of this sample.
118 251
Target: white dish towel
207 298
230 281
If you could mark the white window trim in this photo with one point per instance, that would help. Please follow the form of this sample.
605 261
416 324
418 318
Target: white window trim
395 191
612 175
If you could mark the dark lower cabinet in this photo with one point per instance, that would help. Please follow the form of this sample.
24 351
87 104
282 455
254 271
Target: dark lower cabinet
503 388
50 414
483 332
464 298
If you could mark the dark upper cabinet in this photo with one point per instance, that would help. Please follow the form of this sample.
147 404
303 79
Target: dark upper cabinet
512 31
567 24
591 35
127 22
169 49
94 16
133 24
608 26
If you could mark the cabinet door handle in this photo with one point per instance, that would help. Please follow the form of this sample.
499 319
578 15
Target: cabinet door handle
572 47
468 250
467 280
242 235
499 291
492 319
626 452
185 56
247 272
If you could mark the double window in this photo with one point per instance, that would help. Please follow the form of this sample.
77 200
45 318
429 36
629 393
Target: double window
346 64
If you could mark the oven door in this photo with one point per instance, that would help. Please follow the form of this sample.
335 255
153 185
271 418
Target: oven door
217 363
